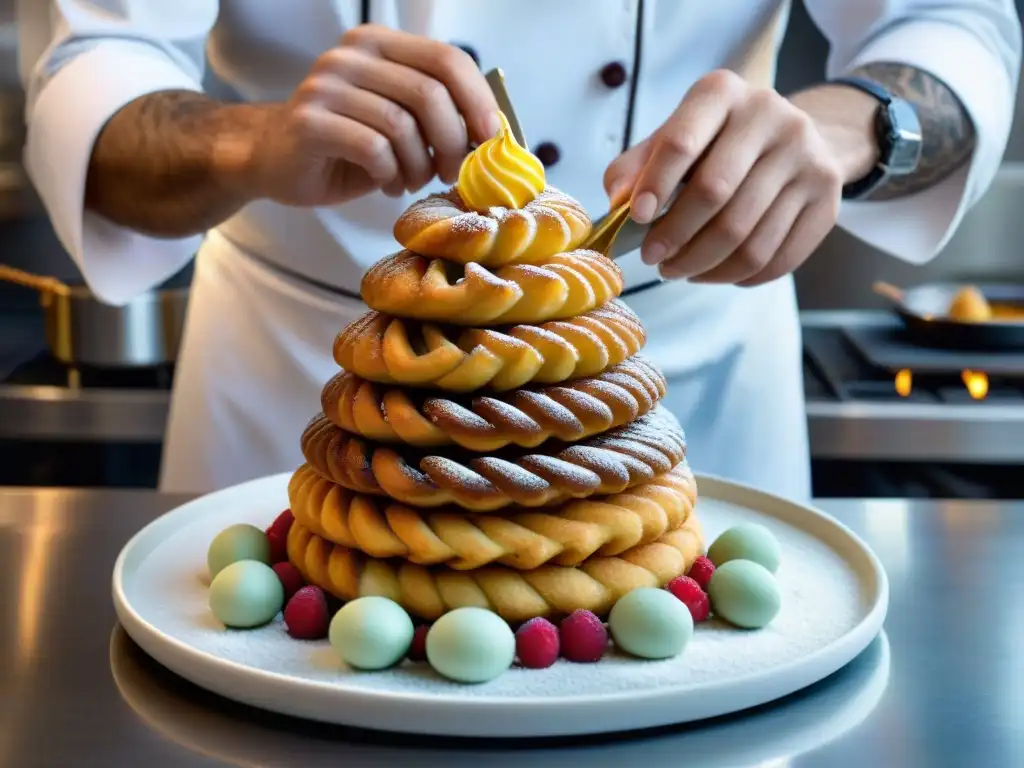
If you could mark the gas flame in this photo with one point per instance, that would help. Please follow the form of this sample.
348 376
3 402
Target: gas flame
904 382
976 383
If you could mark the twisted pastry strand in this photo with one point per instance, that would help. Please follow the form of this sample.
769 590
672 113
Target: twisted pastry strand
387 350
556 287
549 590
605 464
567 535
443 227
569 412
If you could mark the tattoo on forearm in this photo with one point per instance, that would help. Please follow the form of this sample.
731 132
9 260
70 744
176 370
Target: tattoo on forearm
152 167
947 133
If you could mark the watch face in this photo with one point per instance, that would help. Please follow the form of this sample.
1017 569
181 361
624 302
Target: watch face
905 137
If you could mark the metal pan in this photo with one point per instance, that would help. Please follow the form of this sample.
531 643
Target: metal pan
924 311
81 330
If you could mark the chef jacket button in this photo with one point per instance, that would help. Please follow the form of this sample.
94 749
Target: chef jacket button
470 52
547 153
614 74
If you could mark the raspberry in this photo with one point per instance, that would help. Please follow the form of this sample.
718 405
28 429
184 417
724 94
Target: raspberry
290 577
277 535
418 649
692 596
306 614
537 644
583 637
701 571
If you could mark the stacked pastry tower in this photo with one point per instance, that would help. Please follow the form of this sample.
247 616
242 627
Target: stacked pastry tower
493 439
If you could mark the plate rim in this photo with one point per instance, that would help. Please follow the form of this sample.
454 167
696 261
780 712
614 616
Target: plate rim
183 659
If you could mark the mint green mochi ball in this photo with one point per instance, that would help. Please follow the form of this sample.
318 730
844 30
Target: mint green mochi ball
246 594
651 623
470 645
239 542
371 633
747 541
745 594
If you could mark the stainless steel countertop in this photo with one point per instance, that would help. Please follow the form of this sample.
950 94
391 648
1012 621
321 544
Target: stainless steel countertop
943 685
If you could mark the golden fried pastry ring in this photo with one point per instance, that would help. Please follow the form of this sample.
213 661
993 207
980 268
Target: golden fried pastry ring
604 464
549 590
388 350
442 227
565 535
557 287
527 417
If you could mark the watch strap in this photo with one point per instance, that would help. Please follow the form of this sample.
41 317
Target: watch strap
858 189
863 84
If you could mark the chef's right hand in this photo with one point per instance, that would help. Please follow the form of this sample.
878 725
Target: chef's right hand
382 110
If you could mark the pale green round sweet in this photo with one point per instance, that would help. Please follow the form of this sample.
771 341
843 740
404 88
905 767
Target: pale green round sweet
239 542
744 593
651 623
371 633
470 645
747 541
246 594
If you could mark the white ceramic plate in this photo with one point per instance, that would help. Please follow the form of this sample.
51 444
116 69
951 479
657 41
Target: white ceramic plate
835 595
769 735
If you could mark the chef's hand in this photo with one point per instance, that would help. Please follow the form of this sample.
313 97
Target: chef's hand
763 178
382 110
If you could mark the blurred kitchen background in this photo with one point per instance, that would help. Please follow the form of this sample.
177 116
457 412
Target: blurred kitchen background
885 420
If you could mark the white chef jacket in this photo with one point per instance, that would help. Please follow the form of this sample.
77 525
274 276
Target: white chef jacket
257 343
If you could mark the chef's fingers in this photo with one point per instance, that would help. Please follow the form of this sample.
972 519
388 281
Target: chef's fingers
349 181
394 190
759 247
327 134
425 98
717 179
681 141
812 225
728 230
388 118
444 63
621 175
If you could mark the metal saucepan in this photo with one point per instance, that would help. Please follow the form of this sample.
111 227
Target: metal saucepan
81 330
931 318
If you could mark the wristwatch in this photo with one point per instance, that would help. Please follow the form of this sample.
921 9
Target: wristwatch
898 132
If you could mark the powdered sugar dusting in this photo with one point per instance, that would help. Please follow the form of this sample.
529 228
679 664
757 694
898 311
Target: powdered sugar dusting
822 600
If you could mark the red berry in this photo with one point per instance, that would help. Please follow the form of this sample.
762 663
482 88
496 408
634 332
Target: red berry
278 548
701 571
277 535
537 644
583 637
306 614
291 579
692 596
418 649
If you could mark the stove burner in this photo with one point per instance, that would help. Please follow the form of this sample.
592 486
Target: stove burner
840 365
43 370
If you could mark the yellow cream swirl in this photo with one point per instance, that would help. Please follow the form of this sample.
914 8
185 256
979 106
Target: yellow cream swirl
500 173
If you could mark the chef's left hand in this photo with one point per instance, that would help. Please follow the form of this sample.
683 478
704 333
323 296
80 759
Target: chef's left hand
762 189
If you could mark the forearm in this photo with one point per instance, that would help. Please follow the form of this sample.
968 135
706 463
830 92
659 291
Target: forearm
844 115
173 163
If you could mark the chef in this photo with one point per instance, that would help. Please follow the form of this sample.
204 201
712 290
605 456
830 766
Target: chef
344 112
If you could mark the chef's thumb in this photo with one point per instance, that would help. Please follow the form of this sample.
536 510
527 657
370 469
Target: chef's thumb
623 172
